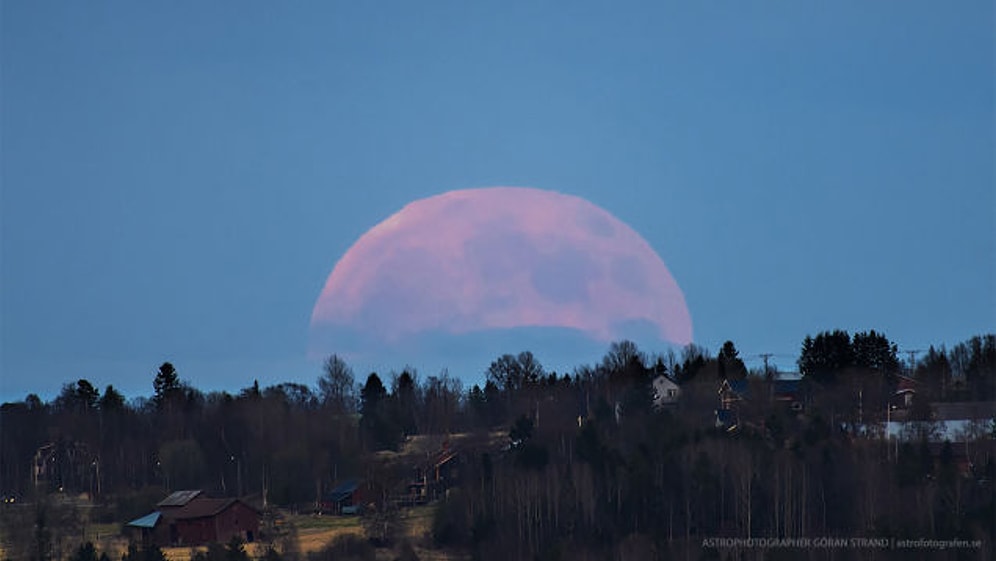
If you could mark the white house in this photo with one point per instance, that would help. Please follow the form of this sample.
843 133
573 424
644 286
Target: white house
664 392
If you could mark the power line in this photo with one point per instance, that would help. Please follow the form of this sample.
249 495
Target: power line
765 357
769 367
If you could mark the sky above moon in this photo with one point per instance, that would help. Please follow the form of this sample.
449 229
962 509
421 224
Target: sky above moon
500 258
178 179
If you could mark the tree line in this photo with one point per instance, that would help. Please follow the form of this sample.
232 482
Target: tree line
590 469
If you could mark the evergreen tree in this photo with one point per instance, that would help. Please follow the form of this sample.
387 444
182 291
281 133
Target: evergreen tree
729 364
874 351
826 355
166 384
112 400
378 419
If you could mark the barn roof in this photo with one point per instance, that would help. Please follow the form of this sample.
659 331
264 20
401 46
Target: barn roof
180 498
200 508
147 521
344 489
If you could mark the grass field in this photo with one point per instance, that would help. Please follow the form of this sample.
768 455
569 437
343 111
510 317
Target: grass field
417 522
314 532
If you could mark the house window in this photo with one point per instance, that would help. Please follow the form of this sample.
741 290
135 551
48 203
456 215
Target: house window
672 393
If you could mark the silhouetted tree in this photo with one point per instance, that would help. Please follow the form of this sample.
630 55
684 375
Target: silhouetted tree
693 359
933 372
112 400
824 356
405 401
336 388
510 373
378 419
975 362
621 356
79 398
372 395
165 384
729 364
87 395
624 364
874 351
441 403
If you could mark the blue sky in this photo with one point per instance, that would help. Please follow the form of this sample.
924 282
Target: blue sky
179 179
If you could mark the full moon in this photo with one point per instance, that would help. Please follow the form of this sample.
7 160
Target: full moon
497 258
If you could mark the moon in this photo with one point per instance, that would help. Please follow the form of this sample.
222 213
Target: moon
472 260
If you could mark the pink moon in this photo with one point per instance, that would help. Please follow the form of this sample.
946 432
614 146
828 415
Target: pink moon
501 257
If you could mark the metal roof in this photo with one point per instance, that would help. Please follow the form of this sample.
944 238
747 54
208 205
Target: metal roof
147 521
740 386
344 490
200 508
786 386
179 498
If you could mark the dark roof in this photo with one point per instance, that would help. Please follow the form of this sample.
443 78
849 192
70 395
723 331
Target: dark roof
740 387
344 490
444 456
179 498
147 521
200 508
782 387
905 384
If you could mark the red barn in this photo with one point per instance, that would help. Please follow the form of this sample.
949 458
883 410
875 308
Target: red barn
187 518
205 520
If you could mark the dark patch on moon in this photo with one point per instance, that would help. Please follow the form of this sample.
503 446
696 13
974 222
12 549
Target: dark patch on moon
456 207
402 290
498 254
599 225
629 273
562 277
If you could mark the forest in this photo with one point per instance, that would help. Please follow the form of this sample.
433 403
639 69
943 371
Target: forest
589 464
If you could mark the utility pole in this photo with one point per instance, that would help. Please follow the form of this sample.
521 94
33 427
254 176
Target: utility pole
913 353
765 357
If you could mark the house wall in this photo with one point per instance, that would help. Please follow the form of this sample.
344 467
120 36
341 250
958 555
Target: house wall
159 535
236 520
195 531
665 391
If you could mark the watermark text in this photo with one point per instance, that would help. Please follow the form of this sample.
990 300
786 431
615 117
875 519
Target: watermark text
835 542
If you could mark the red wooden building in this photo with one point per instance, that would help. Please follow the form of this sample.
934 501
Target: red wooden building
188 518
